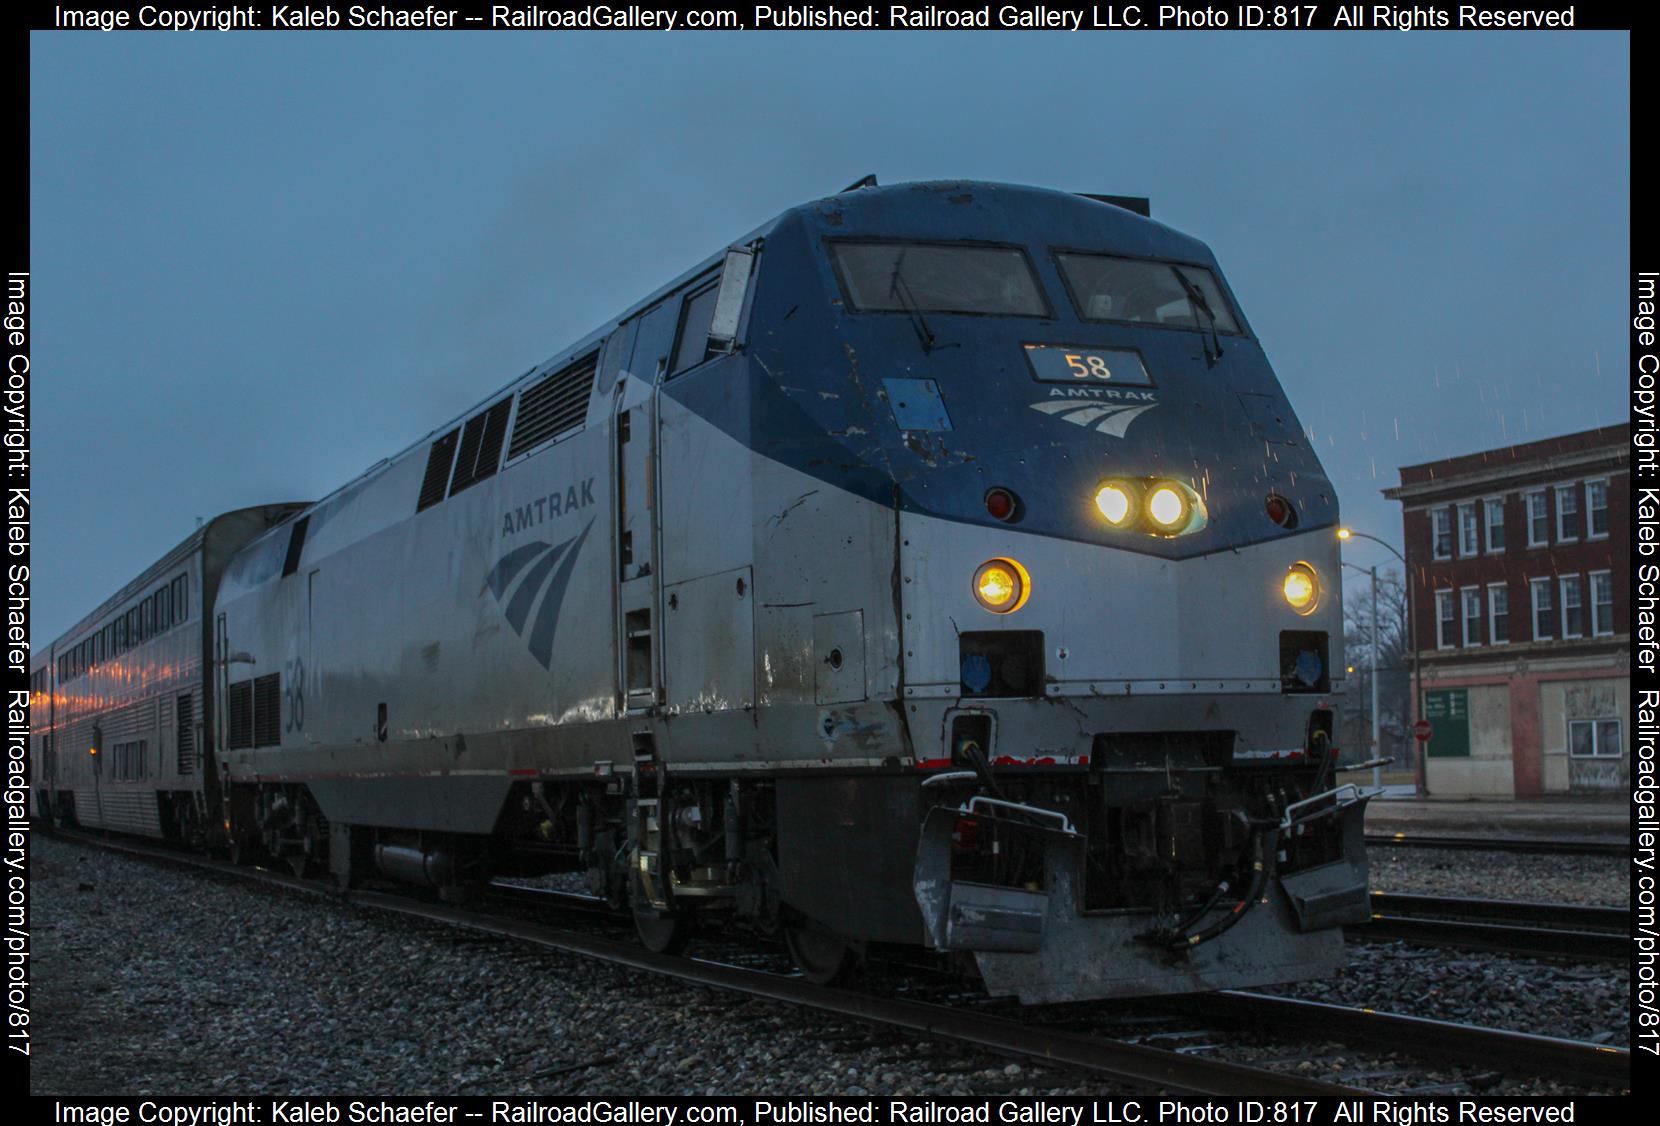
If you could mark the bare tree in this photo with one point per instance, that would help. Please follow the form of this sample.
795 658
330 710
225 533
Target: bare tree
1393 663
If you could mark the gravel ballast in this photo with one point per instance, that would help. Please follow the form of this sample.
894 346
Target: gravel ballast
154 979
1604 880
150 979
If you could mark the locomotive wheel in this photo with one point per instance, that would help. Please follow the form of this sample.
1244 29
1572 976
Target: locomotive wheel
820 954
660 932
663 934
245 851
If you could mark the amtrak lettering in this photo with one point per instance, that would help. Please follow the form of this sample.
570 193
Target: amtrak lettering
1103 409
544 508
533 577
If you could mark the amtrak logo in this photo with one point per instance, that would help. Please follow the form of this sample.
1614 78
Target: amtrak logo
530 582
1108 418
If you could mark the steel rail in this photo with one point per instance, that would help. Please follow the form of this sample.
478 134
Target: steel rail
1496 937
1499 925
1511 912
1540 846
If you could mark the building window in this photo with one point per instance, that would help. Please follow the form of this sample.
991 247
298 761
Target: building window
1602 603
1495 523
1445 622
1596 509
1469 542
1441 522
1539 589
1472 616
1567 513
1573 611
1538 519
1498 613
1594 738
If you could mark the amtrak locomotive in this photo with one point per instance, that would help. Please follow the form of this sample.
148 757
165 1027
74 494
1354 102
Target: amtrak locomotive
939 565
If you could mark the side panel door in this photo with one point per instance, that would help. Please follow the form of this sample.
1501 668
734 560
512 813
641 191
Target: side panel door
638 519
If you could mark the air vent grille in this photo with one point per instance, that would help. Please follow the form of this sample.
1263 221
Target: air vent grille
240 714
481 441
268 710
438 471
553 406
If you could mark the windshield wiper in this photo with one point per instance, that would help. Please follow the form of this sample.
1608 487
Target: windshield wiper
899 287
1196 298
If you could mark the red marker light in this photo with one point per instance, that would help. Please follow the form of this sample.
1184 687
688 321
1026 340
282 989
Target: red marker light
1280 511
1002 505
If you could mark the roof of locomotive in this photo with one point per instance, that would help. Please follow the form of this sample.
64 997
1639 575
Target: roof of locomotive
974 209
997 213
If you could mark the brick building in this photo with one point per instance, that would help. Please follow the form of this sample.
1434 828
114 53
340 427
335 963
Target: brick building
1520 562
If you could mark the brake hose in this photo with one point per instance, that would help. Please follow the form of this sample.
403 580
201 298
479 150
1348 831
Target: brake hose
1262 862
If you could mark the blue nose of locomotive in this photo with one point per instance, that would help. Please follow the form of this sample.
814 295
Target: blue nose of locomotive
995 355
1081 434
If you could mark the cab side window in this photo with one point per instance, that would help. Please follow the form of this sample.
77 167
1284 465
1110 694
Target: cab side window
692 346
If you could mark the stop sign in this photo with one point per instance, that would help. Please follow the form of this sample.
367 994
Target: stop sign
1421 731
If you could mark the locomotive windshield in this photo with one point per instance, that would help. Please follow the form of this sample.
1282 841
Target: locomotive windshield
905 276
1143 292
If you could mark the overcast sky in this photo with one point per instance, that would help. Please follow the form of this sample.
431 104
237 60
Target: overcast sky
262 262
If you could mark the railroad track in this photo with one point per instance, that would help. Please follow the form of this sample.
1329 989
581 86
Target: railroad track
1540 846
1501 925
1138 1065
1501 1048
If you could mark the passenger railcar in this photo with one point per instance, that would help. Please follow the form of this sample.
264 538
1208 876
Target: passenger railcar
939 564
121 704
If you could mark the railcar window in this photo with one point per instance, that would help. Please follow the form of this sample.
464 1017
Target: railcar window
181 598
164 609
129 762
296 544
899 277
693 346
1142 292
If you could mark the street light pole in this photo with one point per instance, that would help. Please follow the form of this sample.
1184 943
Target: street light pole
1419 780
1377 771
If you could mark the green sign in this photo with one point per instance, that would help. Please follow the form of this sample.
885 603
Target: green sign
1448 712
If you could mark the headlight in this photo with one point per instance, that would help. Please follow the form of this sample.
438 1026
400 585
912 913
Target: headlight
1156 506
1116 501
1301 588
1167 506
1002 586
